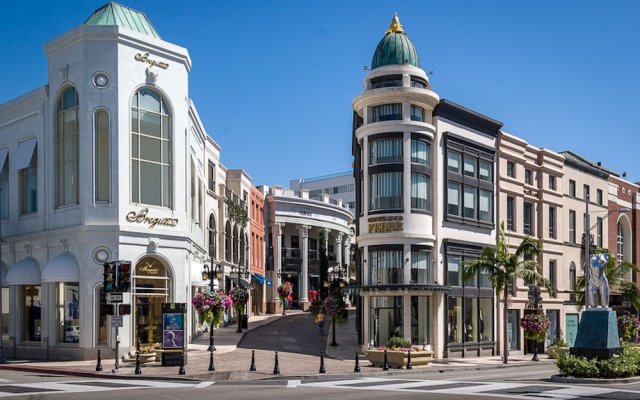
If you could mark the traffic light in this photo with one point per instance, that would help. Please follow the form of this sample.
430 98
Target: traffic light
124 276
124 309
107 309
109 281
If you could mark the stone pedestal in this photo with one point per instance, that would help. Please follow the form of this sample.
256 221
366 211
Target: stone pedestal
597 334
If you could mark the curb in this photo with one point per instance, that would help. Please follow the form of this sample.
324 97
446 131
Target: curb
88 374
570 380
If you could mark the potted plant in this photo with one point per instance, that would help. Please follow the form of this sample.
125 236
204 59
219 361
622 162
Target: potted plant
397 349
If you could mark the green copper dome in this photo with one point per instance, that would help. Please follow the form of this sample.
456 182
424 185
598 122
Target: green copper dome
395 48
113 13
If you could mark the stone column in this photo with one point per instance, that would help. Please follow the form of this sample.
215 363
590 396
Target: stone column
304 289
276 237
337 248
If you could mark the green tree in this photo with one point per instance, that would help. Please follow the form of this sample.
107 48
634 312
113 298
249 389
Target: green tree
615 273
503 268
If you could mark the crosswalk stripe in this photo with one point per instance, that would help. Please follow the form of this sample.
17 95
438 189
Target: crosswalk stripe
293 383
203 385
84 386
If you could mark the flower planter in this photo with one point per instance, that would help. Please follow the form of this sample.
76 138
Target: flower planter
556 351
400 358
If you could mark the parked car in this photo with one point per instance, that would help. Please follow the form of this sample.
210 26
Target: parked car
72 334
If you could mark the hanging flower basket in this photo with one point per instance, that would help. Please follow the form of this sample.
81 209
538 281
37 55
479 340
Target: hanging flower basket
240 296
285 290
211 306
535 326
336 308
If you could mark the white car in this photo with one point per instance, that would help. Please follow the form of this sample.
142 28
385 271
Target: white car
72 334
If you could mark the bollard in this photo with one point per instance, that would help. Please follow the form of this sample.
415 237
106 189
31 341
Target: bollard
181 370
253 361
385 364
138 370
276 368
99 364
212 365
357 367
322 370
409 365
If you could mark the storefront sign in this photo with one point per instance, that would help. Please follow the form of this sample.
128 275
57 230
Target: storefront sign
148 269
142 217
385 224
144 57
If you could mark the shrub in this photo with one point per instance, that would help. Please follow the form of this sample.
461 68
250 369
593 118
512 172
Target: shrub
397 342
619 366
628 326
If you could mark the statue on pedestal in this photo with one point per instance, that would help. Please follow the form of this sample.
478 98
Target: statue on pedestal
598 295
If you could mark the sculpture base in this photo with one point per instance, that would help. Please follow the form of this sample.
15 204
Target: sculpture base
597 334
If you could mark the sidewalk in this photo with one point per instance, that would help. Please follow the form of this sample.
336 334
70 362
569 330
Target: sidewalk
232 363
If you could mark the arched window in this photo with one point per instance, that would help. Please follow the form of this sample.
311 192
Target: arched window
67 129
212 236
150 149
102 155
620 241
227 242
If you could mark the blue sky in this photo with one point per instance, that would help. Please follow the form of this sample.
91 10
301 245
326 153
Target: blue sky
273 80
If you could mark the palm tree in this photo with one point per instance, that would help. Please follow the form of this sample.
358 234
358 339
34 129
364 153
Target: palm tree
615 273
503 268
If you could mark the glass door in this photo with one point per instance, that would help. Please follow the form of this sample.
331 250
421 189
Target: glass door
150 289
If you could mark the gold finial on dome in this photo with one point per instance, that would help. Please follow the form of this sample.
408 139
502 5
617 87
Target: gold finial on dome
395 25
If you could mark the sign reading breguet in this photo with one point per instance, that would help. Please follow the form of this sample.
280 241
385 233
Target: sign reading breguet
142 217
385 224
144 57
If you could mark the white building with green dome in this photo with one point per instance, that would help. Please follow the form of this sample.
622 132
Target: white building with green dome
104 162
425 204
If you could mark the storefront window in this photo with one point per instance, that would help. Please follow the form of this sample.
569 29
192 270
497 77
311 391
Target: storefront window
385 315
470 319
513 329
420 320
485 322
552 332
386 266
32 327
68 304
103 327
454 320
454 268
150 289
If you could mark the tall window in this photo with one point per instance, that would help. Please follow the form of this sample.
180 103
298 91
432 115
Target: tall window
29 186
68 318
528 177
572 226
4 189
67 129
227 242
420 266
102 155
385 265
552 222
553 277
150 149
387 112
599 196
599 232
385 191
511 169
620 243
528 219
572 188
212 237
420 191
552 182
420 152
511 213
469 183
417 113
384 151
585 192
572 281
211 175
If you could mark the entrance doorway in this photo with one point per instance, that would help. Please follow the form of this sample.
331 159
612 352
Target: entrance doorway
149 290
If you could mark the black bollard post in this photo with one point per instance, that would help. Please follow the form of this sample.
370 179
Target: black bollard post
409 365
138 370
385 364
212 365
99 364
357 367
276 367
322 370
181 370
253 361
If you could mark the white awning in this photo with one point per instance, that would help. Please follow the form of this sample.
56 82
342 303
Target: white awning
24 272
196 275
3 157
24 154
63 268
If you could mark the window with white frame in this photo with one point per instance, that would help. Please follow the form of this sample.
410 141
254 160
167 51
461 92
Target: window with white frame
420 199
420 152
620 243
420 265
29 186
385 151
385 191
150 149
387 112
67 142
102 156
417 113
385 265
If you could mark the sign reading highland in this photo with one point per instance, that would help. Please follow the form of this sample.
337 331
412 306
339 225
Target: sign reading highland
385 224
142 217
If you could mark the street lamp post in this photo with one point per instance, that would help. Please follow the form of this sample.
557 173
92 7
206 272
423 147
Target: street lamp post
336 276
210 274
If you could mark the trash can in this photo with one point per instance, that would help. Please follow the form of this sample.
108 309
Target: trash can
244 321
